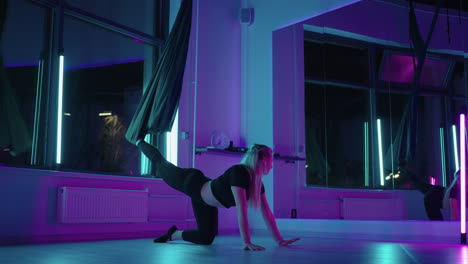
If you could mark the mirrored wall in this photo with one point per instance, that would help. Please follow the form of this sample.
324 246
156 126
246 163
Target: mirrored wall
380 109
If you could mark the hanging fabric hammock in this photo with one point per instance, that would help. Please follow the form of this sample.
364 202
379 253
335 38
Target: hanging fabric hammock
420 47
158 105
400 147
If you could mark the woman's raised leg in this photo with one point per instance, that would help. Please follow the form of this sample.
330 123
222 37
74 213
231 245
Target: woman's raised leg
174 176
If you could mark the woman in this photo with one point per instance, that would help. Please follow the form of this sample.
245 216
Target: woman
240 185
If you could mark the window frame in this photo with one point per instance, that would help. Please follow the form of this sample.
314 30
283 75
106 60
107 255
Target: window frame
45 146
376 85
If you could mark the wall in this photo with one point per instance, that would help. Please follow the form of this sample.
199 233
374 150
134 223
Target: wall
29 202
257 62
228 86
29 208
211 95
257 70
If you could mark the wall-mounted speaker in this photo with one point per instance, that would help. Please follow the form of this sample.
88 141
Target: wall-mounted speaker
246 16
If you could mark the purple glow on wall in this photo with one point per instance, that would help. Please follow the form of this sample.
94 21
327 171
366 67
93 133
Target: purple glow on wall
400 68
95 65
138 40
104 64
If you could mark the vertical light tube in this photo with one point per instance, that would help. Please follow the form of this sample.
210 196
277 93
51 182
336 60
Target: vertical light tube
366 154
144 161
442 157
455 147
379 138
60 111
171 141
37 110
462 180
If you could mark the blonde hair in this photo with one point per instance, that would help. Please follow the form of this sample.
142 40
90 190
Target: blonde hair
252 160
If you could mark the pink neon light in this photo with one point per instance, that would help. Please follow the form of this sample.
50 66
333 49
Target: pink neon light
400 68
432 180
462 175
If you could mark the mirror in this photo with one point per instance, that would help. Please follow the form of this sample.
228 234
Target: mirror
360 114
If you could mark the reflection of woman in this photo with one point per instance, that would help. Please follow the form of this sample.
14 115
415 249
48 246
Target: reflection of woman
436 197
240 185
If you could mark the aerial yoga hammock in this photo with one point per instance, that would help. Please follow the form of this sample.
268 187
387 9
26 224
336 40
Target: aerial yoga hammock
158 105
420 50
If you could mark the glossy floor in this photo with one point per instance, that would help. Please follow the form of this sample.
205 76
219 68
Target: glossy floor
226 249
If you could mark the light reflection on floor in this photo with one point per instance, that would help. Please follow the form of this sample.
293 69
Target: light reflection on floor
464 255
227 249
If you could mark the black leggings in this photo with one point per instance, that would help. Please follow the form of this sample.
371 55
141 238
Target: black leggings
190 182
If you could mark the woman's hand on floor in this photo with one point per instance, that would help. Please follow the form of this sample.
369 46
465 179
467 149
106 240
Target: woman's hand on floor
250 246
287 242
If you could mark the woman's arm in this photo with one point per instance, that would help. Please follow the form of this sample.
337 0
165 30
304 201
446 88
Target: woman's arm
270 222
242 217
269 219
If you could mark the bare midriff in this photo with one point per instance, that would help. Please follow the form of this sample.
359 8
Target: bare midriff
208 196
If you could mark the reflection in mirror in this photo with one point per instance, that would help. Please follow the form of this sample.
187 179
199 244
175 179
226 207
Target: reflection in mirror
102 94
336 124
421 115
427 121
336 113
365 116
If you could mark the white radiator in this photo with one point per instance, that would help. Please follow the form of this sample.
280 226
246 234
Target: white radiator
95 205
